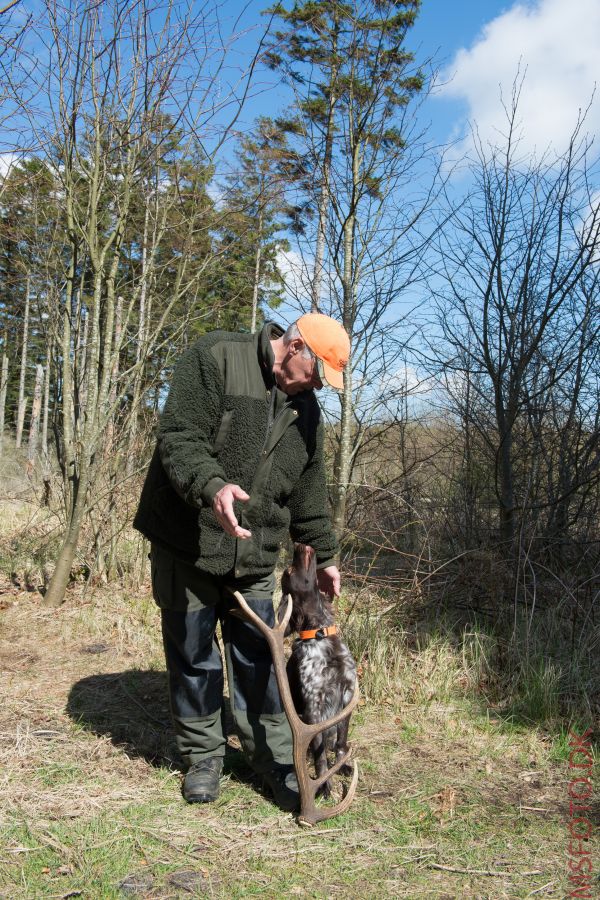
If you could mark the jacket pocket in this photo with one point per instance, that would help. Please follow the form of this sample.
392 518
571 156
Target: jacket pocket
222 432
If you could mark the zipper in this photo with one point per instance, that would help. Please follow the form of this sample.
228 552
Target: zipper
271 419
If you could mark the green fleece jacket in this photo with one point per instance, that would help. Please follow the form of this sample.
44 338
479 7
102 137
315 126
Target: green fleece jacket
225 421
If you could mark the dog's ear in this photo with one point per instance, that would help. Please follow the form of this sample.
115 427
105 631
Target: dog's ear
285 582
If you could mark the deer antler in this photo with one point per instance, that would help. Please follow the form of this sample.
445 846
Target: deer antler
302 733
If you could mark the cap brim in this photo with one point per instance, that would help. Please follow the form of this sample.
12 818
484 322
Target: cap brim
330 376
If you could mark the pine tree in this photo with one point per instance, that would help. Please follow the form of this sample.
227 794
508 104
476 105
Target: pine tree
354 80
255 212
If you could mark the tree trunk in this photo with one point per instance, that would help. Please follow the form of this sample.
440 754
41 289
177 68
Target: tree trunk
114 458
34 428
257 262
55 594
323 204
112 394
343 461
88 438
3 388
46 406
140 349
507 503
22 402
67 456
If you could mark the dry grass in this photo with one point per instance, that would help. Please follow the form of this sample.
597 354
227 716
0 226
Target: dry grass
90 782
453 800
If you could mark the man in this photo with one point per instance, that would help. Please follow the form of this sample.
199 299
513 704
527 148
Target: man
238 465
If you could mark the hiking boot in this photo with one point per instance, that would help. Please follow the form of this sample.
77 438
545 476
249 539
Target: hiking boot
201 783
283 784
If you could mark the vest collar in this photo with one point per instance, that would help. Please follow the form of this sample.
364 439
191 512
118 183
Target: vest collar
266 357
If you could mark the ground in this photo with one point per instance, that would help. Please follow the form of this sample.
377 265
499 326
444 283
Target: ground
452 801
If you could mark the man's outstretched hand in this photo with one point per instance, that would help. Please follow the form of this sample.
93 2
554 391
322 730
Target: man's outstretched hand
223 510
329 581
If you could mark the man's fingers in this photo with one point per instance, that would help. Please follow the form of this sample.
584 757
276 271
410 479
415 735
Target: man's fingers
230 524
223 509
329 581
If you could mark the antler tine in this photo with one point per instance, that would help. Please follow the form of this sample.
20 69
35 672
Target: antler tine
302 733
317 727
313 814
256 620
274 638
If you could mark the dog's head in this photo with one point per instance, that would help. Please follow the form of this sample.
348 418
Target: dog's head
309 605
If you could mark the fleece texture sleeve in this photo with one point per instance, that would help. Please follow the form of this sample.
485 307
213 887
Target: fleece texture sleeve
309 519
189 420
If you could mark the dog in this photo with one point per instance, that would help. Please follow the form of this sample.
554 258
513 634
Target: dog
321 670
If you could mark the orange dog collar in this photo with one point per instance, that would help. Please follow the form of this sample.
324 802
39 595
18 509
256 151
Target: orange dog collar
318 633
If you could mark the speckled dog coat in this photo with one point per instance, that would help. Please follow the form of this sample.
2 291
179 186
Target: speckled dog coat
321 670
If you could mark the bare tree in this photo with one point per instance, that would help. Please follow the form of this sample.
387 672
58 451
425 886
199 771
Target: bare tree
518 311
3 389
120 83
355 81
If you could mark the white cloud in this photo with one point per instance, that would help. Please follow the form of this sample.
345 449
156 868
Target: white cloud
296 272
217 194
556 45
7 161
406 380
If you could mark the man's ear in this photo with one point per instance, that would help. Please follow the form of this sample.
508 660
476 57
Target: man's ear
296 345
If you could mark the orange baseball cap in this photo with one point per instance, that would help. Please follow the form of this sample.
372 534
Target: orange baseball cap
330 343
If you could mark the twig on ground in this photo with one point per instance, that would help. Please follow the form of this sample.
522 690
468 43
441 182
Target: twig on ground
533 809
542 888
483 871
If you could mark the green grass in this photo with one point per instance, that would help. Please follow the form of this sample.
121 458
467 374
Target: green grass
462 766
258 853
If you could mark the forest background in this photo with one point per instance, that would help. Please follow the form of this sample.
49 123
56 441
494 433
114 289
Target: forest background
168 169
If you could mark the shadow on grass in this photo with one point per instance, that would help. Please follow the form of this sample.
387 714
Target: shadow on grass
131 708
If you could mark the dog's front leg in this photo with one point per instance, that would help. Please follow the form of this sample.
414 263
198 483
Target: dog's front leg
341 745
319 752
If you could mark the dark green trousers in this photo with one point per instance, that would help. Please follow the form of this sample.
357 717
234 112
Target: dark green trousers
191 604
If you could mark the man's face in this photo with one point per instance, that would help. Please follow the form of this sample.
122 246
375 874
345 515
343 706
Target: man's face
296 372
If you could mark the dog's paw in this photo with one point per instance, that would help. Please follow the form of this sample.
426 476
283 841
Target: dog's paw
325 790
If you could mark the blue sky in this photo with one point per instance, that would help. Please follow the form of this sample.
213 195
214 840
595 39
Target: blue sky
442 28
479 47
